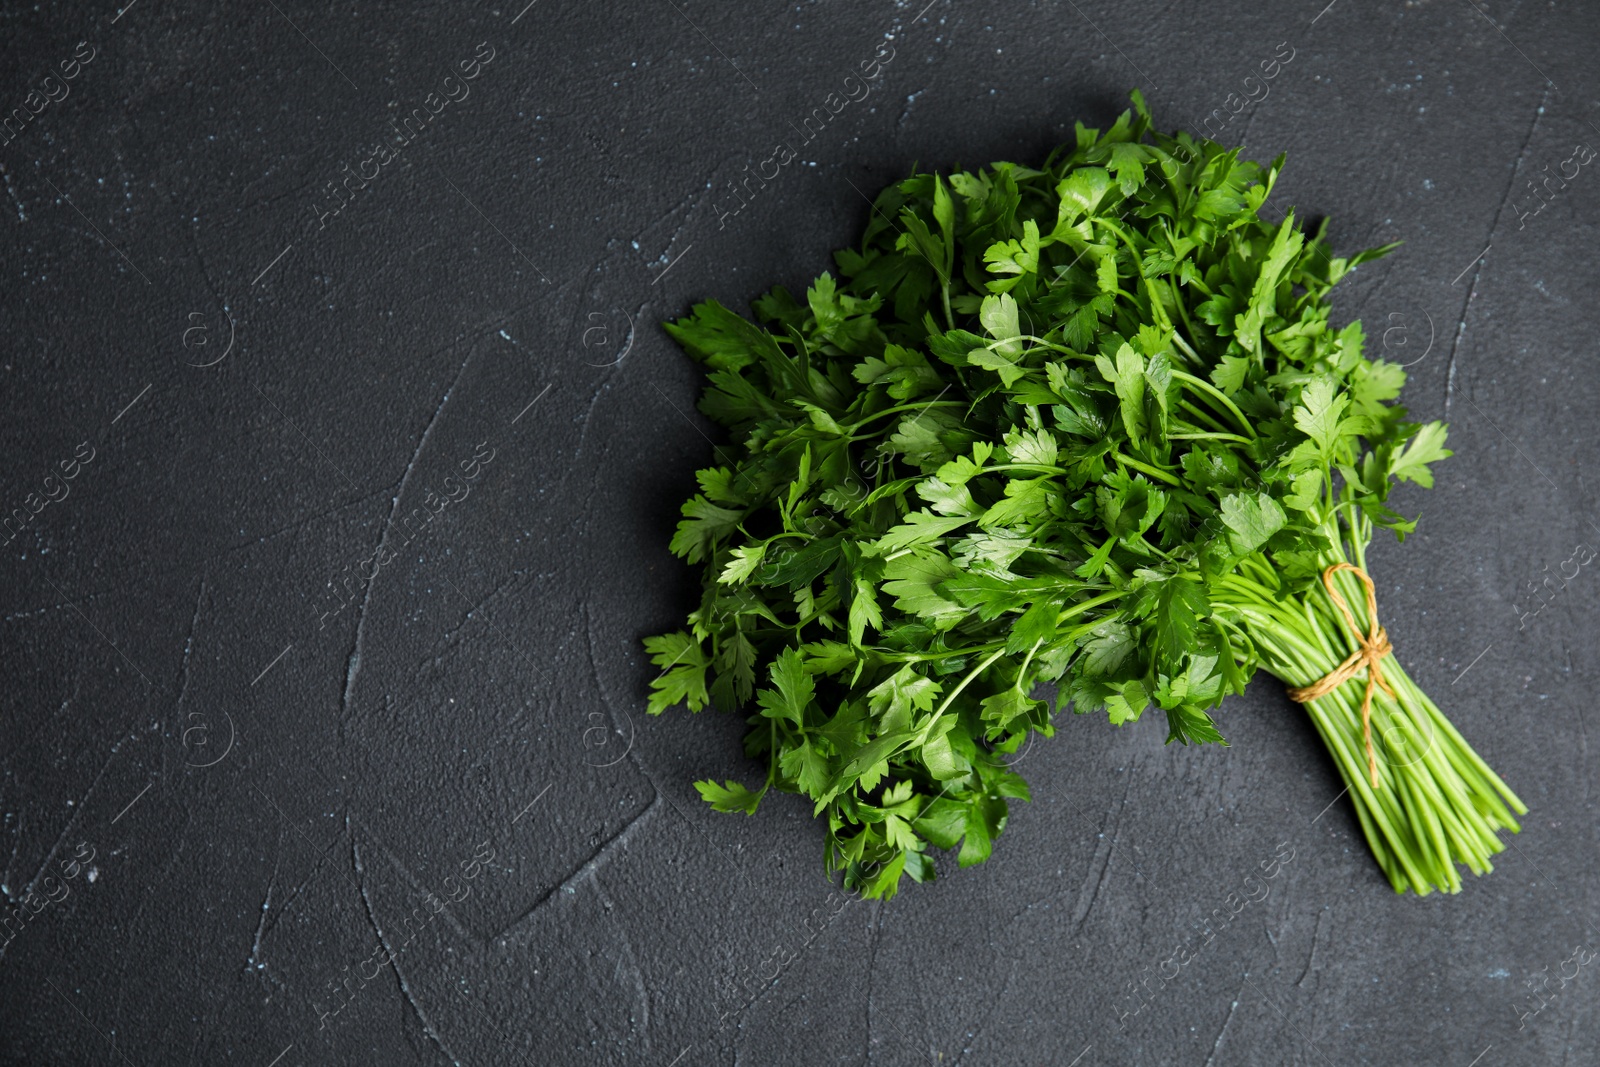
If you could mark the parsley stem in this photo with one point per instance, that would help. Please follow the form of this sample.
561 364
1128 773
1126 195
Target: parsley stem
1156 308
1188 349
1183 313
979 669
1093 602
1202 415
1202 384
1195 279
1042 468
1043 343
1440 804
1022 672
923 657
904 407
1207 437
1078 631
1154 472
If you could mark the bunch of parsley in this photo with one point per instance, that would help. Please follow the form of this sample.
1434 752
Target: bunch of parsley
1086 424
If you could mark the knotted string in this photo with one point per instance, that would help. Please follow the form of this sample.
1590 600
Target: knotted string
1369 653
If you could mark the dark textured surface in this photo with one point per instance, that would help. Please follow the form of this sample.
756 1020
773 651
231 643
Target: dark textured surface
267 784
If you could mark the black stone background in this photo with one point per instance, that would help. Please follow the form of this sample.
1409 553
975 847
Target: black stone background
263 796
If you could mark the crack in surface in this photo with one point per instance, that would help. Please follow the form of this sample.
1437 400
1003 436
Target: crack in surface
1477 270
1583 732
77 813
588 417
252 962
621 839
688 201
292 527
6 175
638 762
872 963
205 269
517 577
389 954
188 644
353 663
1312 958
1217 1044
629 961
45 725
1081 913
16 843
416 884
311 876
973 1034
148 579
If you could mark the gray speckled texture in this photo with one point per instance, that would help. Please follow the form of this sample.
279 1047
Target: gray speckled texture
268 792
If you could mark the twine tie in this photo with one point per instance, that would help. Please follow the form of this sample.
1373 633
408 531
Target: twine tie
1369 653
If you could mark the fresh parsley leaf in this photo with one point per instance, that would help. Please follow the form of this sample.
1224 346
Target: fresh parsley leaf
1082 424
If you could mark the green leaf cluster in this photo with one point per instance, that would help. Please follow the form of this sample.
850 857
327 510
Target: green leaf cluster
1012 456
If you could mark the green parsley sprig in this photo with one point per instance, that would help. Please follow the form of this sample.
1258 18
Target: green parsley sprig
1085 424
